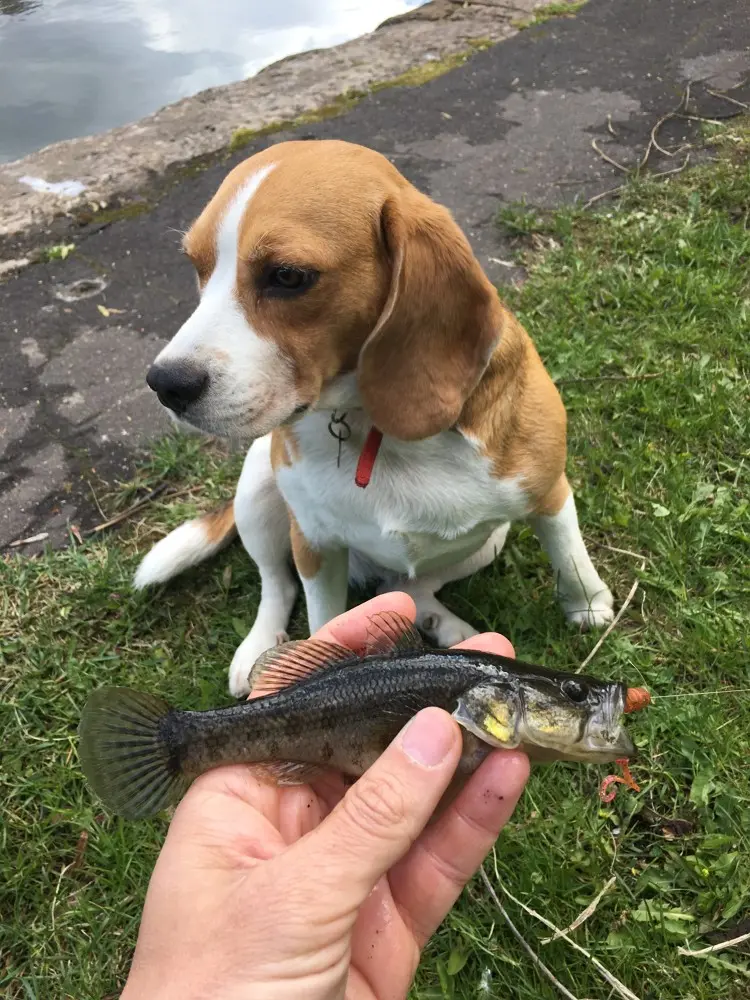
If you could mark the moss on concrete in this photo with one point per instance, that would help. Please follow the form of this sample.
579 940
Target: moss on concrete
59 251
131 210
559 8
413 77
241 137
418 75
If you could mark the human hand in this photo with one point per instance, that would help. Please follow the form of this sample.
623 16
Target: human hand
321 891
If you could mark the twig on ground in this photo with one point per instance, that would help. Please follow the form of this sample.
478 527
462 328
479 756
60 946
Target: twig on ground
653 142
96 498
609 378
522 941
624 552
612 624
618 986
584 915
677 170
732 943
118 518
30 540
681 111
123 515
726 97
685 103
714 120
605 156
603 194
736 86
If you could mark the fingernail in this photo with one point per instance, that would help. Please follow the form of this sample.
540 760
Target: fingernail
428 738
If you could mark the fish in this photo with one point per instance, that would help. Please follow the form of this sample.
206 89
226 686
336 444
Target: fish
318 706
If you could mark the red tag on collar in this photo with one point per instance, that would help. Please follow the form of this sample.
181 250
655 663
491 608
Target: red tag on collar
367 458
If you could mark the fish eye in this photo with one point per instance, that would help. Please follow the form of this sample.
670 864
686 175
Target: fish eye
575 690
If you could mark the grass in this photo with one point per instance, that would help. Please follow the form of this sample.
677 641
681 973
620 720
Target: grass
58 252
657 284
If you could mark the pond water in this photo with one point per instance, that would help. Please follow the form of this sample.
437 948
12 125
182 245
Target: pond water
77 67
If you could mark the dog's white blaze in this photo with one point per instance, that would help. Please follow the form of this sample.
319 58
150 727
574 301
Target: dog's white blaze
251 387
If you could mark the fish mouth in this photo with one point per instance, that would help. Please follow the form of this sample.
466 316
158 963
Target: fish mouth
601 738
604 738
605 749
592 749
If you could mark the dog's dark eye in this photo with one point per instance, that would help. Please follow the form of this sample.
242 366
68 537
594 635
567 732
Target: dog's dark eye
575 690
285 281
290 278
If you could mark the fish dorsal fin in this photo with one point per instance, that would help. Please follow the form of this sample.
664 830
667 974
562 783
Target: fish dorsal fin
292 662
389 633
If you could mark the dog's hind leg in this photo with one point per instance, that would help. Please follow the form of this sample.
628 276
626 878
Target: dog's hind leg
263 526
433 618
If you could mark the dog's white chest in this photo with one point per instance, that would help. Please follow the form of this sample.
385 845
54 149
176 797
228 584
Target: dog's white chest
429 504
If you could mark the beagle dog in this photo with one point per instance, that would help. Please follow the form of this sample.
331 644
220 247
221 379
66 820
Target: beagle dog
400 415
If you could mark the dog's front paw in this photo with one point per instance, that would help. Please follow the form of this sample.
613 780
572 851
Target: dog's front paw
245 658
598 612
444 628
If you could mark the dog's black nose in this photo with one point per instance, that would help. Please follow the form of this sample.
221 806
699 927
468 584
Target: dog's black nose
177 385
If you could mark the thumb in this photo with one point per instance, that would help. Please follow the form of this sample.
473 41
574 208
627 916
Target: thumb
382 815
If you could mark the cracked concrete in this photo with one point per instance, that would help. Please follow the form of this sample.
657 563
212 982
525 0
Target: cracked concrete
515 121
95 368
46 469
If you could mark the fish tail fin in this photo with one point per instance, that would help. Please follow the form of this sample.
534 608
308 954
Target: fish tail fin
126 752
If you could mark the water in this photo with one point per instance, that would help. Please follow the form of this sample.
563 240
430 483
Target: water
77 67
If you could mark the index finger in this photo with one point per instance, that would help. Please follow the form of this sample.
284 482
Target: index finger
489 642
350 629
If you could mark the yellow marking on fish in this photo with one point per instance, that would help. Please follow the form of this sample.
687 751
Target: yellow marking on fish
501 732
499 723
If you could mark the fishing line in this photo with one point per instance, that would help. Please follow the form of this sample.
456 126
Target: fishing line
702 694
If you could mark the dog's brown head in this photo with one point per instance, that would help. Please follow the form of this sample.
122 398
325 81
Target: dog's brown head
327 279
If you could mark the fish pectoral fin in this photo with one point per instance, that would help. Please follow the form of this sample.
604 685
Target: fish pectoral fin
290 772
292 662
389 633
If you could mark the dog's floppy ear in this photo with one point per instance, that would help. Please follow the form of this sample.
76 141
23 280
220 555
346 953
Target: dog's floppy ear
438 328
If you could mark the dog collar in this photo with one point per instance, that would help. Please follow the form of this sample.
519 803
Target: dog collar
339 428
367 457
